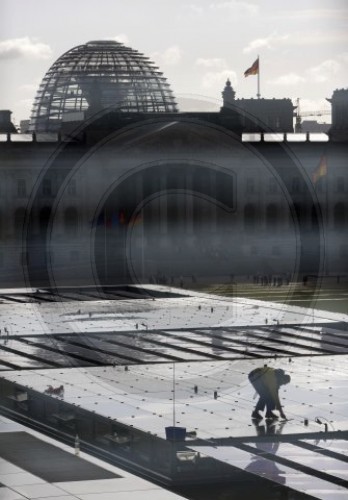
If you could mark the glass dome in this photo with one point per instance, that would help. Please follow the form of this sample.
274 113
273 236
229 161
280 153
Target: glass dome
100 75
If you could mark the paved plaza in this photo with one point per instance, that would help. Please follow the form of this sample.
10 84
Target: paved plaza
171 357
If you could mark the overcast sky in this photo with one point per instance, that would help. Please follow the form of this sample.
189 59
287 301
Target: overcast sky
198 44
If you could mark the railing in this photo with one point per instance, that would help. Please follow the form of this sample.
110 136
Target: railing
246 137
32 137
285 137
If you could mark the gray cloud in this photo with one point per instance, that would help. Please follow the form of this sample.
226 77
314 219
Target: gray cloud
170 57
121 37
267 42
309 14
14 48
217 80
274 40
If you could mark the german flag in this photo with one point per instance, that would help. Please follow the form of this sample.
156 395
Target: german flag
320 171
253 70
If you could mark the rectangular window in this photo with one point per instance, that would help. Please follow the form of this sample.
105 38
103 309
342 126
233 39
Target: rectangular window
23 258
295 185
343 251
272 187
340 185
250 186
72 187
320 186
49 257
74 256
47 187
21 188
276 250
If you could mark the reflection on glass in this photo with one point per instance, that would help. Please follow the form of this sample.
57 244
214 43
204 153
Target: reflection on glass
258 464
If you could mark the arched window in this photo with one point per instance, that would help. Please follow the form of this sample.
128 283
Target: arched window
339 215
71 221
272 216
249 217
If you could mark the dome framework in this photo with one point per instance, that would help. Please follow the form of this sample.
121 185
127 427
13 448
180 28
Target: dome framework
99 76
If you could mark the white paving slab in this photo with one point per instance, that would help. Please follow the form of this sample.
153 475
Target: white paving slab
20 485
7 494
38 490
19 479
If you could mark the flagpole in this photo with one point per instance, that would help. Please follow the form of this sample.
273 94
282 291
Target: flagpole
258 79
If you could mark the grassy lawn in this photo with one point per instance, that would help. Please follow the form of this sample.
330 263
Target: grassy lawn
329 297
